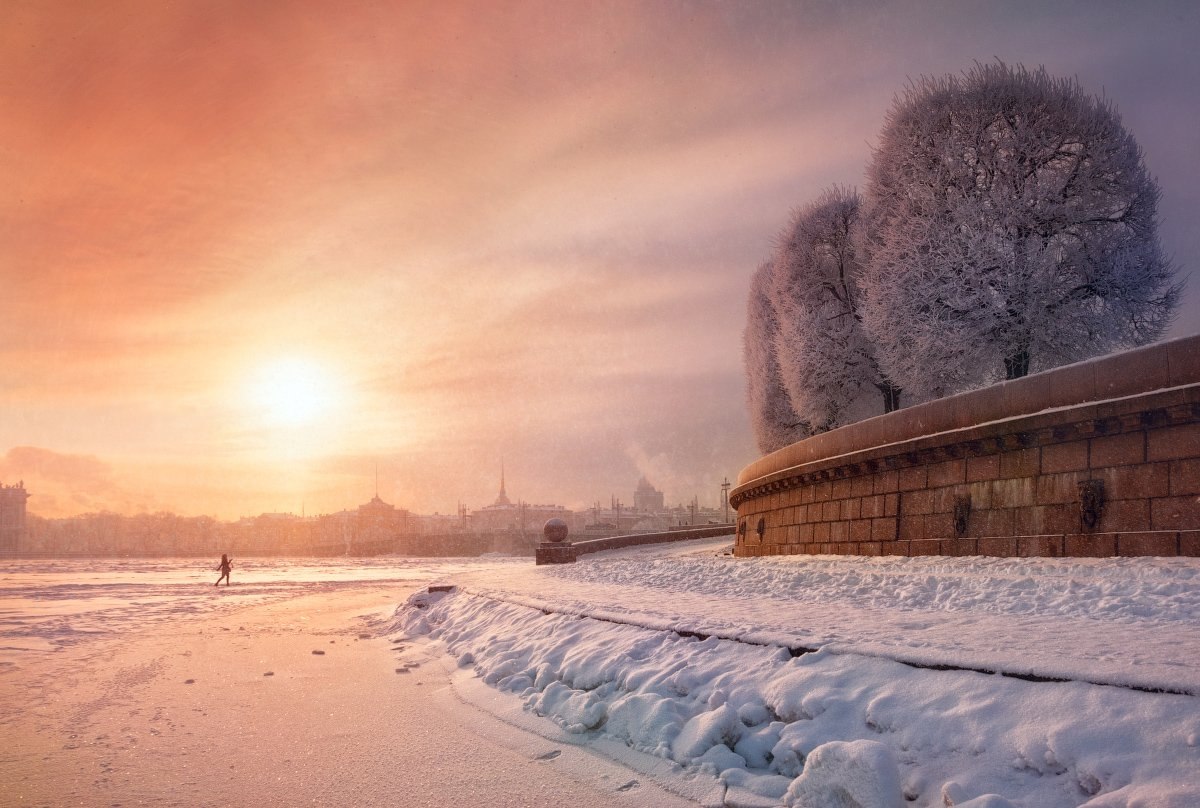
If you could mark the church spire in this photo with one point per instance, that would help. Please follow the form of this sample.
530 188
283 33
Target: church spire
503 498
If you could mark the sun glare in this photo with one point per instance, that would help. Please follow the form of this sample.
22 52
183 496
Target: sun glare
293 392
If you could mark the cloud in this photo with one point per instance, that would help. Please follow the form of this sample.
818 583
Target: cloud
84 481
521 229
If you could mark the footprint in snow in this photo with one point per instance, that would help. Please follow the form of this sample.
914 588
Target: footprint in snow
551 755
630 786
189 681
318 653
269 673
403 670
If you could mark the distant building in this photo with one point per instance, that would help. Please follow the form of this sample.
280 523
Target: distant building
12 516
503 516
647 498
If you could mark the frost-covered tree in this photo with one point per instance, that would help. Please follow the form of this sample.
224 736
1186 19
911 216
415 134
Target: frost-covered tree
1012 227
772 418
826 360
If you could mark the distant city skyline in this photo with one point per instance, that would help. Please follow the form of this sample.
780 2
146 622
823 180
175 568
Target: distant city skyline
248 251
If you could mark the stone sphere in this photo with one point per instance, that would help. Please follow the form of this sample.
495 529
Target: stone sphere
555 530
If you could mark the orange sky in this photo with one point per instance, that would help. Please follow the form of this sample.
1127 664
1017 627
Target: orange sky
519 231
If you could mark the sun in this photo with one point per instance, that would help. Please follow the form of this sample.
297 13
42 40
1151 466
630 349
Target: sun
293 392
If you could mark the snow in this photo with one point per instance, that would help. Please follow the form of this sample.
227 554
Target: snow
863 682
669 674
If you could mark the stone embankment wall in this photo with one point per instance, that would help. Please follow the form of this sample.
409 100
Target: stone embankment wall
1100 458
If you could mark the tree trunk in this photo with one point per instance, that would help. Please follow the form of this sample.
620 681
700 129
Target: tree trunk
1016 365
891 396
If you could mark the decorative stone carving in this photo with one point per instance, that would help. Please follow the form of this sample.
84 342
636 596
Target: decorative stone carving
1091 503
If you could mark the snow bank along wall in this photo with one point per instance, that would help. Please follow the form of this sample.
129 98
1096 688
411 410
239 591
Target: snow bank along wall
1100 458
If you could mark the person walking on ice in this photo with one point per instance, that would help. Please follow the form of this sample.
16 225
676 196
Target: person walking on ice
225 566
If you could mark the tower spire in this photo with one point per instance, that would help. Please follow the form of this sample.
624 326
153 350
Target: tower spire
503 498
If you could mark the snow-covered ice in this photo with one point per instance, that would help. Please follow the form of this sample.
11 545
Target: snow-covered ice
812 681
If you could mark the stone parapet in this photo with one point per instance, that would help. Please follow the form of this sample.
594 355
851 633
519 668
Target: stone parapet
1097 458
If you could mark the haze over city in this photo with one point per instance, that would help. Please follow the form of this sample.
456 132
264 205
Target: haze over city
251 252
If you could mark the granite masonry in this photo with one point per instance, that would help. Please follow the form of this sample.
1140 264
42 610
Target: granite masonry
1100 458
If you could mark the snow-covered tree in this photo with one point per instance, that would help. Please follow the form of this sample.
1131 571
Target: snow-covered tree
1012 227
826 360
772 418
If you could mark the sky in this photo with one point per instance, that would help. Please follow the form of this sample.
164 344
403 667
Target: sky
253 254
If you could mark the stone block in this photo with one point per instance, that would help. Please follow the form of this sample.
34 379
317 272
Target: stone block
830 510
1175 513
886 481
949 472
806 495
1058 489
554 553
804 532
860 530
913 503
981 494
1135 482
992 522
1092 545
1185 477
891 504
840 489
1148 544
1125 515
793 534
1072 384
939 526
822 491
986 467
828 548
1183 360
839 531
870 548
899 548
846 548
1122 449
862 485
912 478
1059 457
821 532
976 407
1173 443
883 529
849 508
1041 520
1005 547
925 547
1189 543
1131 372
1024 395
959 547
943 498
871 506
1040 546
911 527
1020 463
1013 493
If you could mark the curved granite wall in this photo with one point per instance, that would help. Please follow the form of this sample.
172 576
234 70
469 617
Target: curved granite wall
1099 458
